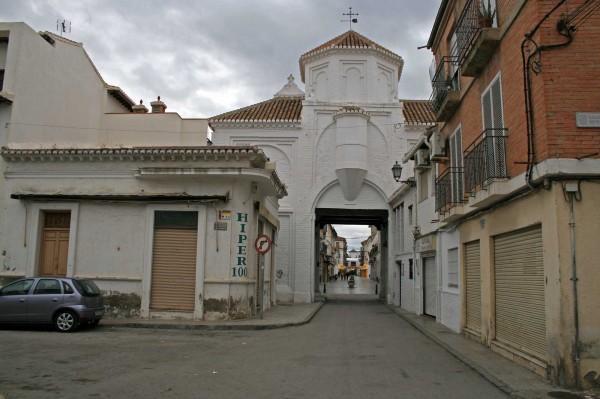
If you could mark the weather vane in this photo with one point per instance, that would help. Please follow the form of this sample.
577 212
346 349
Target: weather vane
351 20
63 26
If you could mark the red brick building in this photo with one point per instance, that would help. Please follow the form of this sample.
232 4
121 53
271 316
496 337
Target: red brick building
516 95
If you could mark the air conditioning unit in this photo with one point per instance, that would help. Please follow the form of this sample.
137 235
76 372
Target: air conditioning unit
438 147
421 159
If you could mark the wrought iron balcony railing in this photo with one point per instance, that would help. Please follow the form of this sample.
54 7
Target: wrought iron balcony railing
485 160
476 15
449 189
442 82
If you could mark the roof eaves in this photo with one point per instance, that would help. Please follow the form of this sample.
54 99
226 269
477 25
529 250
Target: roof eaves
120 96
437 23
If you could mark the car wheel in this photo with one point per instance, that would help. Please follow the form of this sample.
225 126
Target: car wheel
66 321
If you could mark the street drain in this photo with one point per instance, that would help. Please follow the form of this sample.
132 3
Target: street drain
564 395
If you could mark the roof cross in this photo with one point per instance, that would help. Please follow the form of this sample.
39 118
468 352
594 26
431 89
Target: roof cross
351 20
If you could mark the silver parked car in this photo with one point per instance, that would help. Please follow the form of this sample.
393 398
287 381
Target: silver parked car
64 302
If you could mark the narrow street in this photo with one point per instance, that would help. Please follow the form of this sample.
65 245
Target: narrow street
353 348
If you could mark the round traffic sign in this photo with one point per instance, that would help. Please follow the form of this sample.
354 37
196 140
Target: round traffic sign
262 244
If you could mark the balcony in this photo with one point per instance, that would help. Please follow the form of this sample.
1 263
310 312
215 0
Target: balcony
445 97
449 189
477 36
485 160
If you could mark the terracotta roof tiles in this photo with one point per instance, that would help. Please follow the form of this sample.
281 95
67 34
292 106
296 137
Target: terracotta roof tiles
418 112
278 109
350 40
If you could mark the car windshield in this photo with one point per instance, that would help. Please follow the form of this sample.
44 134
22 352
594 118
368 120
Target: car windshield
86 287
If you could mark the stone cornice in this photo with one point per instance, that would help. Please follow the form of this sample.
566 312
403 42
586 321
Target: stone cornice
213 153
260 175
351 110
232 124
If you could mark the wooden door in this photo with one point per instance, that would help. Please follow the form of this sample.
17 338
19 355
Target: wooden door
55 244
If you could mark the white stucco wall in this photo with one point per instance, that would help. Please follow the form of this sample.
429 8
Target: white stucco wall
311 163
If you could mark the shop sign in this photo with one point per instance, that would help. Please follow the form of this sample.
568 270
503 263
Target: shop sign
427 243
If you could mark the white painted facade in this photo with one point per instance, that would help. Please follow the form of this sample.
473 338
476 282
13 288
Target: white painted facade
77 150
419 240
337 157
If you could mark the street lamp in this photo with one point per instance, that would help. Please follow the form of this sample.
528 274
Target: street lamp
397 172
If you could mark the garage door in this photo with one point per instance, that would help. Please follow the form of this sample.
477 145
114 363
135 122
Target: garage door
520 291
473 286
174 261
429 285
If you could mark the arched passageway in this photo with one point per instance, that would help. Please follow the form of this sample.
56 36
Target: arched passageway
364 286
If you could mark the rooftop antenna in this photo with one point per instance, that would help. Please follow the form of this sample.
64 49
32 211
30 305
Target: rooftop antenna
350 20
63 26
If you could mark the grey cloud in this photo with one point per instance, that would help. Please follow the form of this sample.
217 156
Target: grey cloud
208 57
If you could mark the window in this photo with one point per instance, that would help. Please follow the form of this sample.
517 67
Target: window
17 288
47 287
453 267
454 73
410 215
86 287
456 162
401 212
491 103
410 269
423 185
493 125
67 288
399 223
1 79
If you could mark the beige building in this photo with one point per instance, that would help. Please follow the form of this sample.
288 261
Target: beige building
95 186
517 172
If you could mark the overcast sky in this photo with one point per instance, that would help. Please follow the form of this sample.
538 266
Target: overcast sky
354 234
208 57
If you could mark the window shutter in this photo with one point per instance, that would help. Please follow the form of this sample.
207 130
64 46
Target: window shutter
487 110
496 96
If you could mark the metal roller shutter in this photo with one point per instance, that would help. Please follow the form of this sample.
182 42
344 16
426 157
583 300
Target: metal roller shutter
473 286
520 296
429 283
173 269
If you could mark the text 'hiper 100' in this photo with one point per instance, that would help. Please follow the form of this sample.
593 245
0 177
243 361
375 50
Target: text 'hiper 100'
240 269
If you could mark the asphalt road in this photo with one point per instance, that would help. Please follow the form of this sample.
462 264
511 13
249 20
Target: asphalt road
351 349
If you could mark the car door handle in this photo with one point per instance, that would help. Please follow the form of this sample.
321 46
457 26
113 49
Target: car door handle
54 299
21 300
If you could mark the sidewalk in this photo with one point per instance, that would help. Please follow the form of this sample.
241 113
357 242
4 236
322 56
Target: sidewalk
511 378
281 315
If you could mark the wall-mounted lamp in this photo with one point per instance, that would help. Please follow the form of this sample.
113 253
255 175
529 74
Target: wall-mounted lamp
397 171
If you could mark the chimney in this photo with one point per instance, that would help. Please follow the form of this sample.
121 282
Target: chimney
158 107
139 109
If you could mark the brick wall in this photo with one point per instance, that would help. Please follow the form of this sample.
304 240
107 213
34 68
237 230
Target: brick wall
569 83
571 76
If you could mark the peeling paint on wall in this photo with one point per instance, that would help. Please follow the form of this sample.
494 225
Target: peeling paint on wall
121 305
232 308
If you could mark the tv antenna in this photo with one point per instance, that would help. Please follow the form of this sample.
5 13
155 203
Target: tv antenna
350 20
63 26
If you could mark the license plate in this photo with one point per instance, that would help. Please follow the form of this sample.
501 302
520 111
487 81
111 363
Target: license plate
99 312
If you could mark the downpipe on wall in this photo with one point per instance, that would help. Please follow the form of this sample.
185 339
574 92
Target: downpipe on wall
572 193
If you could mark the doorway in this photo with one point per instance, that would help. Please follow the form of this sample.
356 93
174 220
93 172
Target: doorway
55 244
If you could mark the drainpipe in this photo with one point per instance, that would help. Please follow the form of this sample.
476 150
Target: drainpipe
572 191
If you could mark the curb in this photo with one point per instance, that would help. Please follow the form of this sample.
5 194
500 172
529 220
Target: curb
472 365
212 327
